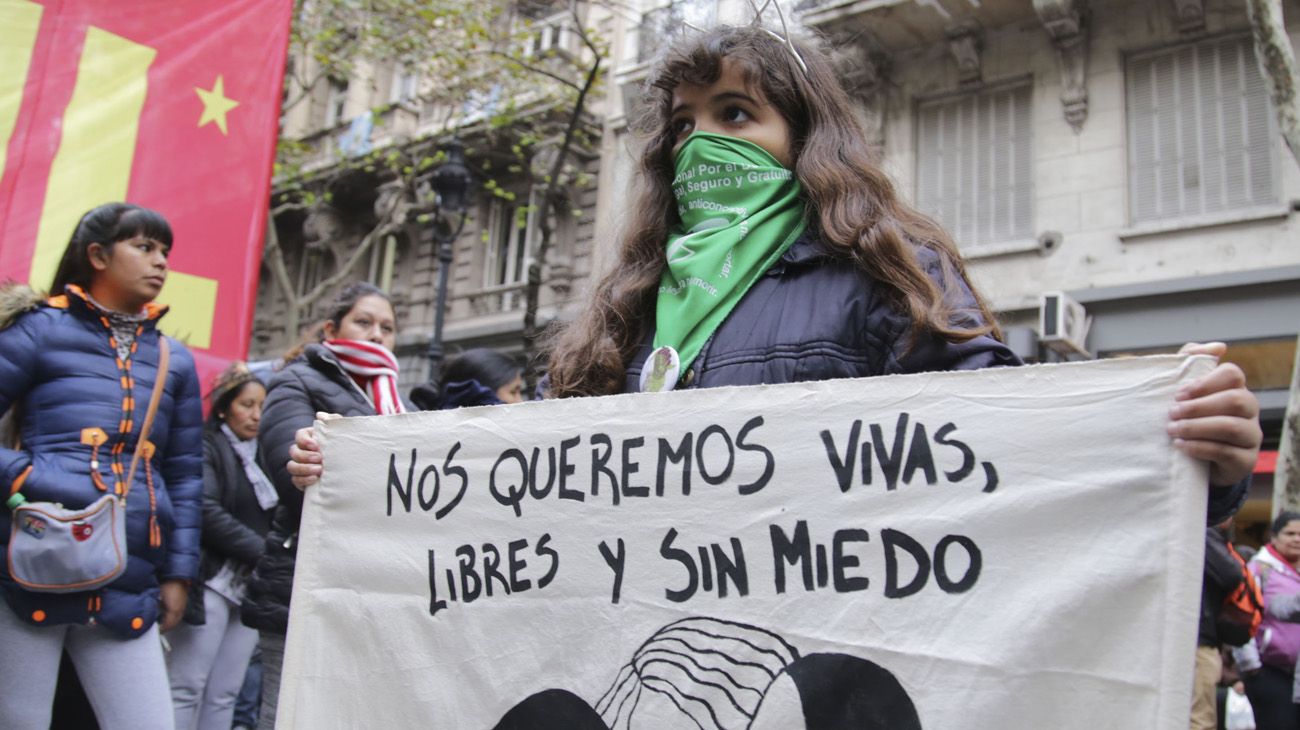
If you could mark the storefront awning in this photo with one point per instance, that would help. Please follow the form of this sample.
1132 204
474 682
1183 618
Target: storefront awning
1267 462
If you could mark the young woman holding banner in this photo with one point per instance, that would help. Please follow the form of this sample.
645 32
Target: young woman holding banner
765 246
814 268
80 369
350 371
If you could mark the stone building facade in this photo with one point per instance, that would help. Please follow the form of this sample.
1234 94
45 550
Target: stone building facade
1123 153
380 107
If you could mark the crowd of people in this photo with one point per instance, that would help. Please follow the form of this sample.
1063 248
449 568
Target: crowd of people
815 269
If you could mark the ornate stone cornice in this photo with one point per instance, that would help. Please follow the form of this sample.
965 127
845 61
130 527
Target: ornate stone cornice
965 42
1066 23
1189 15
864 69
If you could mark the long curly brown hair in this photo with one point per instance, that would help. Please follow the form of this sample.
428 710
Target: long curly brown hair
852 205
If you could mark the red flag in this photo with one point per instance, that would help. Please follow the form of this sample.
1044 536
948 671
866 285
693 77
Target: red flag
170 105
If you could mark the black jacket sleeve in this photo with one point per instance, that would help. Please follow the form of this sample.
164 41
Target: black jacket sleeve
913 352
223 532
1225 501
1221 569
288 407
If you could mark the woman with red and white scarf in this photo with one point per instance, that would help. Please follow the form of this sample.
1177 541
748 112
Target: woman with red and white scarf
350 371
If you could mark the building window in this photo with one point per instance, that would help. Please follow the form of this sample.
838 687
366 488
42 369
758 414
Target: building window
975 172
481 104
554 33
659 25
510 240
1199 131
336 102
402 87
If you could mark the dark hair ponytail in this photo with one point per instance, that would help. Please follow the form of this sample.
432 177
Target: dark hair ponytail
479 369
343 303
1284 518
488 367
106 225
348 298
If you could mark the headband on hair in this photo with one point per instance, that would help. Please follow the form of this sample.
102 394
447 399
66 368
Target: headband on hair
757 22
234 377
758 17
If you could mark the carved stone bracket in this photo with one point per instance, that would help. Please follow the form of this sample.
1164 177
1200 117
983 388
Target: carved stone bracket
1066 23
966 42
561 278
864 69
1189 15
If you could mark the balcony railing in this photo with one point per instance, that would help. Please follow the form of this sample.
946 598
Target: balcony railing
494 299
358 136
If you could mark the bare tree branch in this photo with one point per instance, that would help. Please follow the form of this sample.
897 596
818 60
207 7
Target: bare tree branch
305 87
274 255
383 229
554 204
285 208
534 69
1278 64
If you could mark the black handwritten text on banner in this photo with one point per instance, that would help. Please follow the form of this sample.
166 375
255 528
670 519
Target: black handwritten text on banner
942 550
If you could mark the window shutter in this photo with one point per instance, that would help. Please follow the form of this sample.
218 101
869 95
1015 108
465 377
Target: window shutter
495 247
1215 163
927 163
1168 186
1260 135
1141 141
975 165
1022 165
1200 137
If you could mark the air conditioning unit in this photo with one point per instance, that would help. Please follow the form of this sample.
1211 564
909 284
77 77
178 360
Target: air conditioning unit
1063 324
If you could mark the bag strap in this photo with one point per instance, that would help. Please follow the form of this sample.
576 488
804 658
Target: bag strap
164 362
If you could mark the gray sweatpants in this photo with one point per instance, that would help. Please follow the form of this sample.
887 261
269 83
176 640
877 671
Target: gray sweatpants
124 679
207 665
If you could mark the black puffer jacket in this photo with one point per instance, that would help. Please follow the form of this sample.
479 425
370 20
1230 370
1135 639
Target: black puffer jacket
816 317
1222 576
234 523
314 382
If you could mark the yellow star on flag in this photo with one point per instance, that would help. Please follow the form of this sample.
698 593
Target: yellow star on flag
215 104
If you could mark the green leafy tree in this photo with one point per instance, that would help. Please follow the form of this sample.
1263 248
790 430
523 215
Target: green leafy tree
515 89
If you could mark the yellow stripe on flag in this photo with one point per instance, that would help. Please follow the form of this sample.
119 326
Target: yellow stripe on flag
193 302
93 164
19 21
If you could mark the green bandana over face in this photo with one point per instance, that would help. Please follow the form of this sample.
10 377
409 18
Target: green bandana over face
740 211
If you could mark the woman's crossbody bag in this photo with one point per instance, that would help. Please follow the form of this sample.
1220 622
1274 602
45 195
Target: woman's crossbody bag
57 550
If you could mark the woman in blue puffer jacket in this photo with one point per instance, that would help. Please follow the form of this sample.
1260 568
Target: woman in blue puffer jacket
78 370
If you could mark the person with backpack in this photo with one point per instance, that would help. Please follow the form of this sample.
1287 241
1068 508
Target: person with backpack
1231 612
1270 689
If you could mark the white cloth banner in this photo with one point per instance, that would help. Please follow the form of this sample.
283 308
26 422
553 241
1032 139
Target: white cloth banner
1018 547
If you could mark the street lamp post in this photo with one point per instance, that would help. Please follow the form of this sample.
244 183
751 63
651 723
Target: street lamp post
451 182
